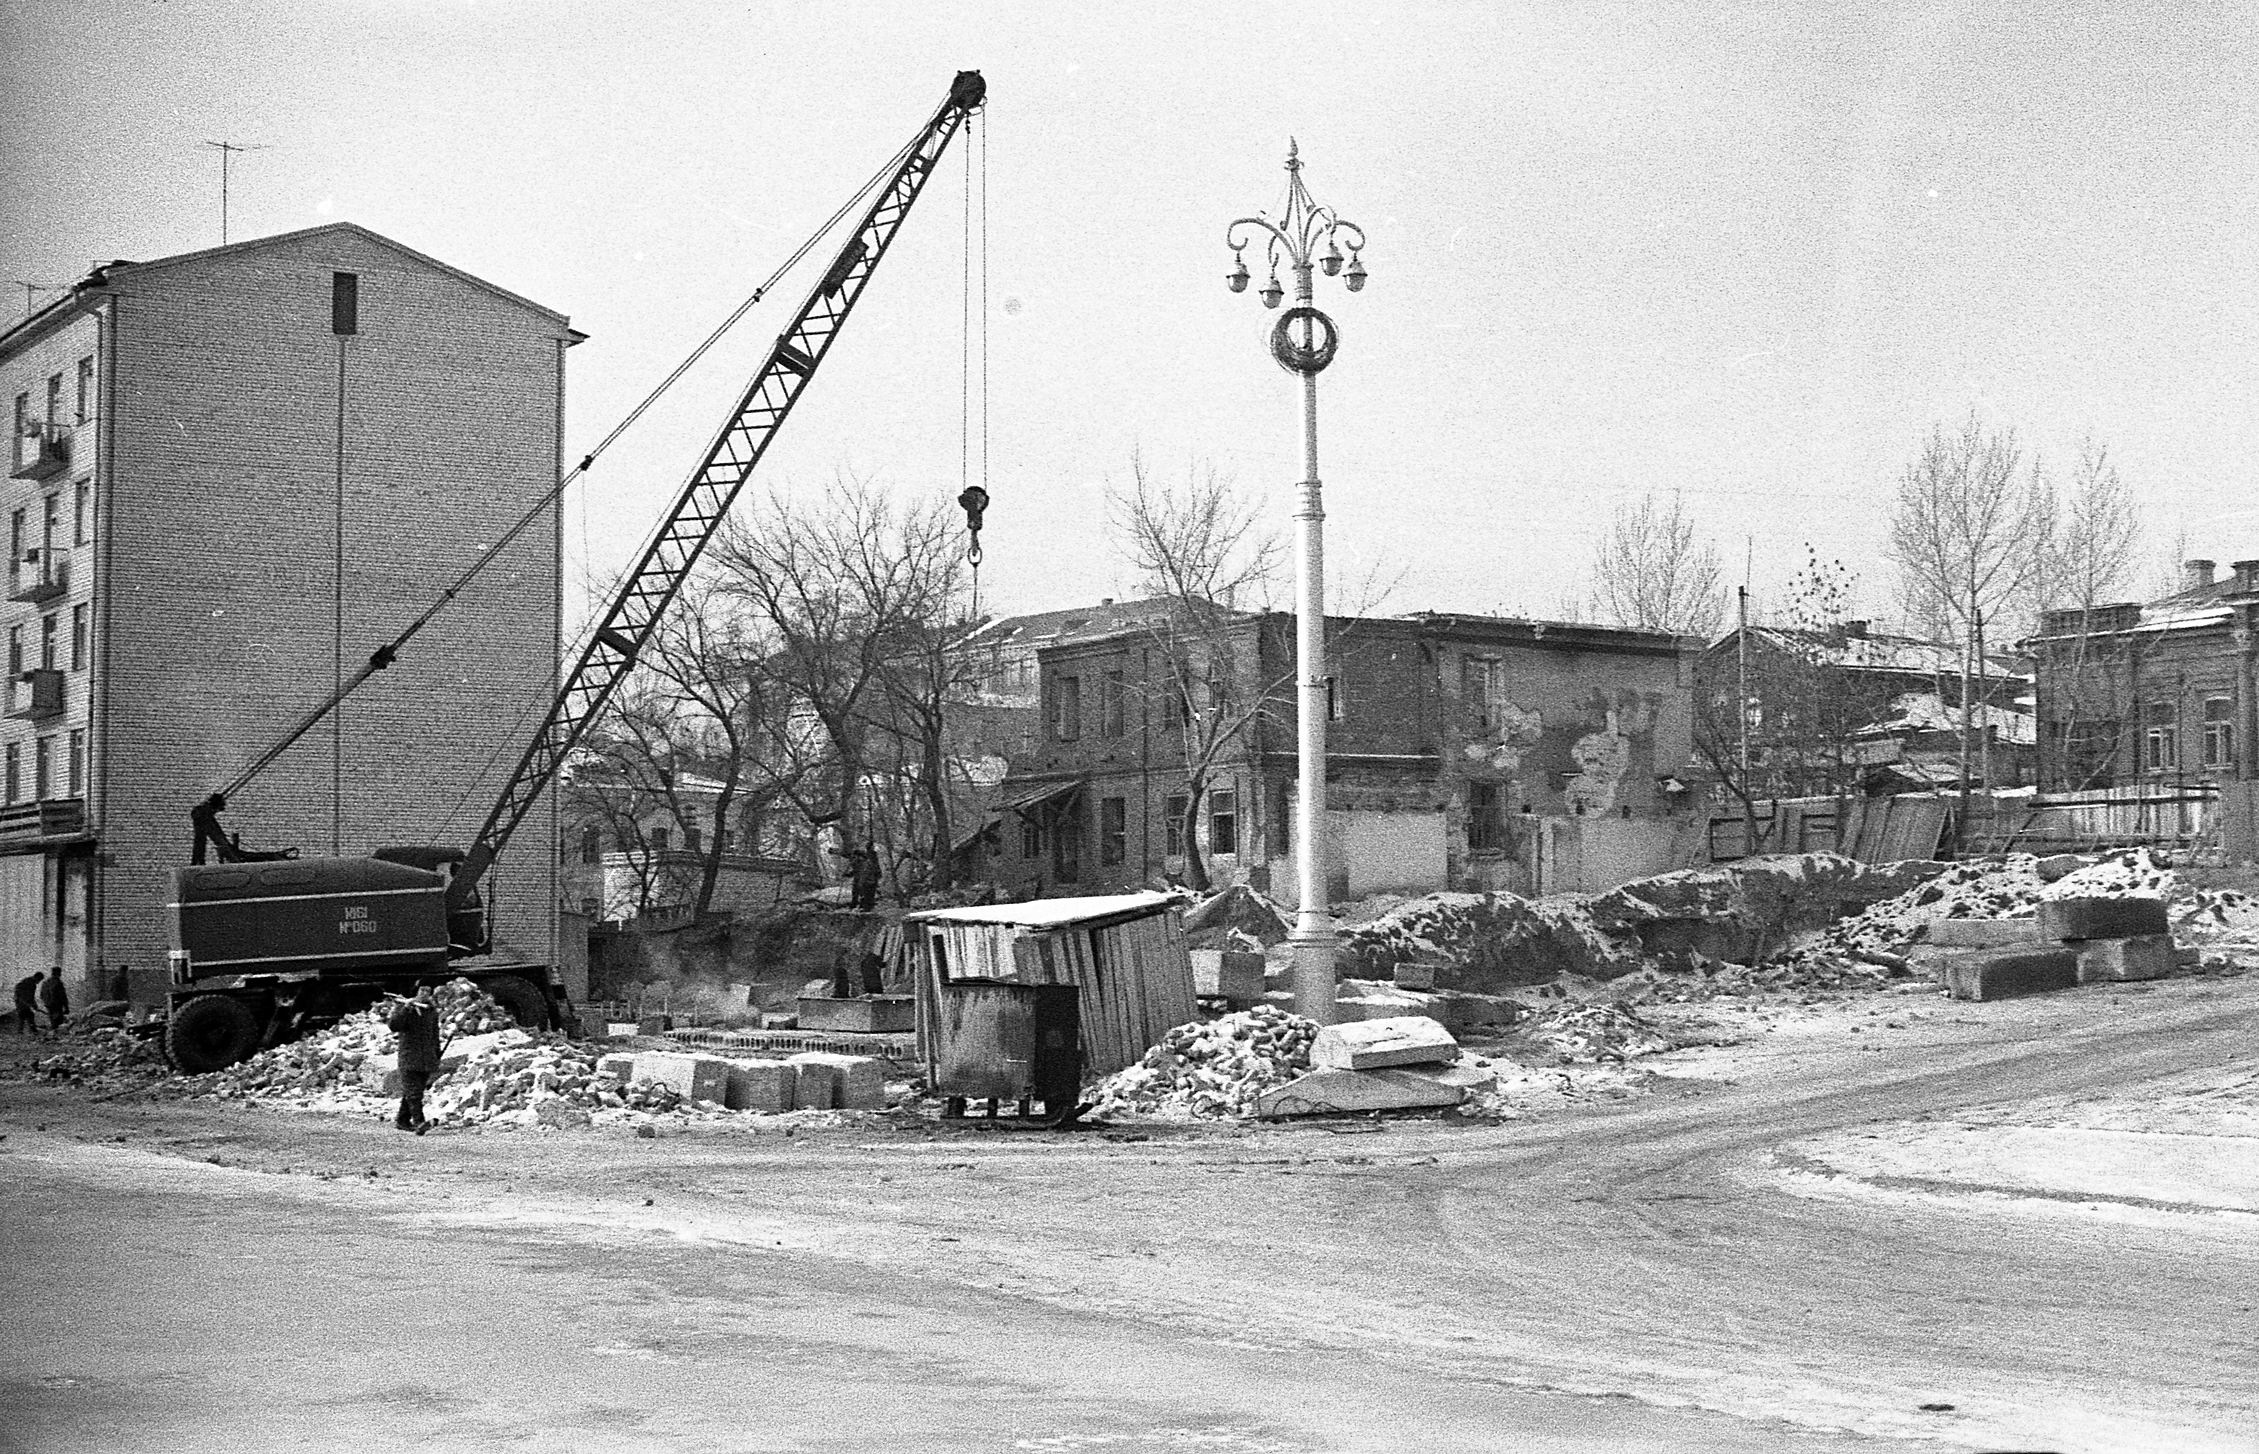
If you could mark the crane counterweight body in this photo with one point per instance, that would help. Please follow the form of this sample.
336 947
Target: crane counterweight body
266 948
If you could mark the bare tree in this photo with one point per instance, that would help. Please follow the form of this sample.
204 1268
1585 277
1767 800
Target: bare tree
847 584
2091 543
1201 547
1652 572
1963 537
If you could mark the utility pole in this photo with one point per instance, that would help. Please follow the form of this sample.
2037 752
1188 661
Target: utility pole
227 150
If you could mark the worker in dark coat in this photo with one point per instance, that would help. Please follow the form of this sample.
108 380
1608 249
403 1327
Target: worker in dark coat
54 999
865 881
27 1003
415 1025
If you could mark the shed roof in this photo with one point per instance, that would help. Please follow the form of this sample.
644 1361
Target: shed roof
1091 911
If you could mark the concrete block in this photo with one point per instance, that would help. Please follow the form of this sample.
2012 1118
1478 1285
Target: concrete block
1411 976
2108 961
701 1077
1983 933
865 1015
622 1066
621 1030
654 1024
1228 974
845 1082
2014 972
1332 1091
766 1086
773 1021
2101 918
1371 1044
559 1114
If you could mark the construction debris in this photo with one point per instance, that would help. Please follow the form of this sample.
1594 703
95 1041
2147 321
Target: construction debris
1210 1071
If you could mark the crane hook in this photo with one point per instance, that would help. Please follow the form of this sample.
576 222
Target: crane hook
974 501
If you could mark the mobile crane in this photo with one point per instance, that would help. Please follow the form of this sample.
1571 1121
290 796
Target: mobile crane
267 947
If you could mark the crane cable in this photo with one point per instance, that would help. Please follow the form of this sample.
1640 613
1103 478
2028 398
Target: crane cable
506 743
973 497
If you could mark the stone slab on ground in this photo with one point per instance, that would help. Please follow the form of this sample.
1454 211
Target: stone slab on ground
863 1015
828 1082
700 1077
1983 933
1999 975
1228 974
2109 961
766 1086
1333 1091
2101 918
1373 1044
622 1066
1411 975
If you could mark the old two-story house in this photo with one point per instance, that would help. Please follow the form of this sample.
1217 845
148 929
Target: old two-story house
2156 691
1459 747
1853 709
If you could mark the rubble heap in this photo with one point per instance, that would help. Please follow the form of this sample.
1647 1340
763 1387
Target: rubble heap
2005 888
106 1059
1588 1034
323 1060
1211 1071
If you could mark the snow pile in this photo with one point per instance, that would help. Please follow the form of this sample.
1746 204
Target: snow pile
1587 1033
1213 1070
2141 873
2216 916
2008 888
1485 935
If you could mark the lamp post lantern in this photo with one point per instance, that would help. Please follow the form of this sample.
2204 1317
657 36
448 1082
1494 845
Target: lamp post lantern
1304 341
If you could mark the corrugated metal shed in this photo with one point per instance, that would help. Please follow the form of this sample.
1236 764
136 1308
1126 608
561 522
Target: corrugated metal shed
1124 953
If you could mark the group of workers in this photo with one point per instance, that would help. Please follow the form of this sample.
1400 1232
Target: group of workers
37 992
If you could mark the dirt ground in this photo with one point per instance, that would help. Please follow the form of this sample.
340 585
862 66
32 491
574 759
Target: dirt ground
1840 1221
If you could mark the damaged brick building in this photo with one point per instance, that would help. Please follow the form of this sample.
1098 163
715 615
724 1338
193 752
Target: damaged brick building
1466 752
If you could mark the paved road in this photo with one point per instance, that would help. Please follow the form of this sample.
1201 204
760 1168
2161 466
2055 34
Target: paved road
1421 1287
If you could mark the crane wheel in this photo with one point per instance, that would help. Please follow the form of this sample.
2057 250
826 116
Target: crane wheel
520 998
210 1032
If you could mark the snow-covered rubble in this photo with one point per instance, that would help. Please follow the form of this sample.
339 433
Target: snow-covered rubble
1210 1071
2004 888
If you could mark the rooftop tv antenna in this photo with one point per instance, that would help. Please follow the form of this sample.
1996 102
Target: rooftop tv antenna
227 151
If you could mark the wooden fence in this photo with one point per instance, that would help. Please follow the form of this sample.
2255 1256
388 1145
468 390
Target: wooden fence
1886 830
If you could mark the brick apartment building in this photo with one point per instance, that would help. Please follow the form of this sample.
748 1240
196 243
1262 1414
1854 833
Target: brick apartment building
2156 691
233 474
1458 746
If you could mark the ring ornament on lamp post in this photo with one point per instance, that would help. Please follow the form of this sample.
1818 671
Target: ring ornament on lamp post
1313 352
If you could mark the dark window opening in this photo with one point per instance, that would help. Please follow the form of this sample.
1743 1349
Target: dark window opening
344 303
1174 810
1223 821
1113 830
1486 824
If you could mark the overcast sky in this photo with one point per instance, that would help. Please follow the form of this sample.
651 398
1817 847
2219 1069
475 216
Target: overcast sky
1750 252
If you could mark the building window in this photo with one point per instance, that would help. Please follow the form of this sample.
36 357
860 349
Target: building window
78 638
344 303
50 632
2161 737
1482 682
661 840
692 839
86 388
50 526
15 544
1066 843
1219 682
54 399
1174 810
1110 714
43 768
15 653
1486 823
82 505
78 762
23 424
2219 732
15 772
1113 829
1031 837
1337 692
592 844
1066 708
1223 821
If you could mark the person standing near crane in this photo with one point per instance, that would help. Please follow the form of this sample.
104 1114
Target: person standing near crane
415 1026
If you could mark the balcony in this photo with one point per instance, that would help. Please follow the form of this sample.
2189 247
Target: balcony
29 824
42 450
40 576
37 695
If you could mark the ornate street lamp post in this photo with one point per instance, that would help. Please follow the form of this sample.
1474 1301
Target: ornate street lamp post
1303 341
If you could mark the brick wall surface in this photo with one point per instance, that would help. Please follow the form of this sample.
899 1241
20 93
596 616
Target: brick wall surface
223 595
